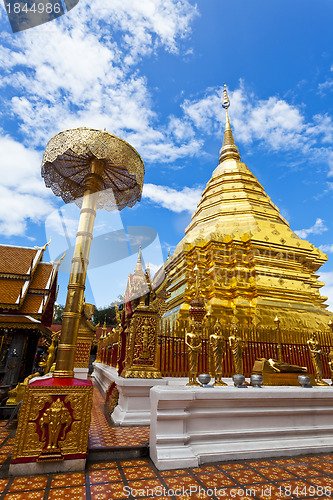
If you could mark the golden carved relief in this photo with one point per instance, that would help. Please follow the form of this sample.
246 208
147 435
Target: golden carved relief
53 422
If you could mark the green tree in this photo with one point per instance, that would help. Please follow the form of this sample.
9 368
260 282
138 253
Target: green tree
58 312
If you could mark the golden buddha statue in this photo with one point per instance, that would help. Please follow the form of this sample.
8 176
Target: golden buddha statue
316 353
193 342
218 350
237 346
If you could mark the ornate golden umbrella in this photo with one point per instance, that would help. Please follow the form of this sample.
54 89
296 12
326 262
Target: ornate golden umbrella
95 170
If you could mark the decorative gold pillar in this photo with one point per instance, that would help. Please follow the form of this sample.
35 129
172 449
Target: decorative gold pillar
77 279
141 348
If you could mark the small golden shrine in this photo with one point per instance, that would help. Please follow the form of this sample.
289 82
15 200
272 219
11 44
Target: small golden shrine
142 316
252 266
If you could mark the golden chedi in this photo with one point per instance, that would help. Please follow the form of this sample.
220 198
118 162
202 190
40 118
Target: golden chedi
252 265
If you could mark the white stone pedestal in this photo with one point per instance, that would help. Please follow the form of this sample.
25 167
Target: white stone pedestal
134 395
193 425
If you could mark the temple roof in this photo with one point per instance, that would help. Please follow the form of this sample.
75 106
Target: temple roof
26 283
138 283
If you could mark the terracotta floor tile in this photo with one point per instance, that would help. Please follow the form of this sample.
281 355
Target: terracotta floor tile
275 473
134 463
72 479
78 493
102 465
3 484
201 494
204 468
180 481
3 458
234 466
175 472
271 492
284 461
30 495
27 483
139 472
147 487
327 457
259 463
302 470
322 481
108 491
159 498
297 488
237 493
325 467
310 459
245 477
102 435
104 476
218 479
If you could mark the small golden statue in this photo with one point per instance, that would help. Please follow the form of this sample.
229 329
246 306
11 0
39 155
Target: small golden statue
145 339
218 349
50 358
57 419
315 353
193 342
237 346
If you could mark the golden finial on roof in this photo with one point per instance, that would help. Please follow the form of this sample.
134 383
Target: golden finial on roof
226 101
104 329
229 149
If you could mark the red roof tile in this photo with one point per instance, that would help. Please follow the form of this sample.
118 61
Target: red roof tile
16 260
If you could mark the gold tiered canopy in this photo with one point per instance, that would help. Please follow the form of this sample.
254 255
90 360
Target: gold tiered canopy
252 265
67 160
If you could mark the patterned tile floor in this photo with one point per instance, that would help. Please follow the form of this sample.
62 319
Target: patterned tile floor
308 477
101 435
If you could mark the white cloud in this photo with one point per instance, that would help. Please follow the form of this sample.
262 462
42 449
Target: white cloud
326 248
22 192
17 208
86 76
274 123
176 201
318 228
326 86
82 70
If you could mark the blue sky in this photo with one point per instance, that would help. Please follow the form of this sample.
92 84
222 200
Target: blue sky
152 72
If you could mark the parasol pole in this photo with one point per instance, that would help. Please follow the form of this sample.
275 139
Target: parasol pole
76 286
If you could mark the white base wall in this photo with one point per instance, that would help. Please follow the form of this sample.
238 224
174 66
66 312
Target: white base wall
134 395
193 425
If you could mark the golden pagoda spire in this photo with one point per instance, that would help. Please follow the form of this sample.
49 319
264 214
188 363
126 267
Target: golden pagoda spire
229 149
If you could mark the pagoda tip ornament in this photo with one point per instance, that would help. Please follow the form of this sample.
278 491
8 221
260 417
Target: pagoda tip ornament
229 150
226 101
